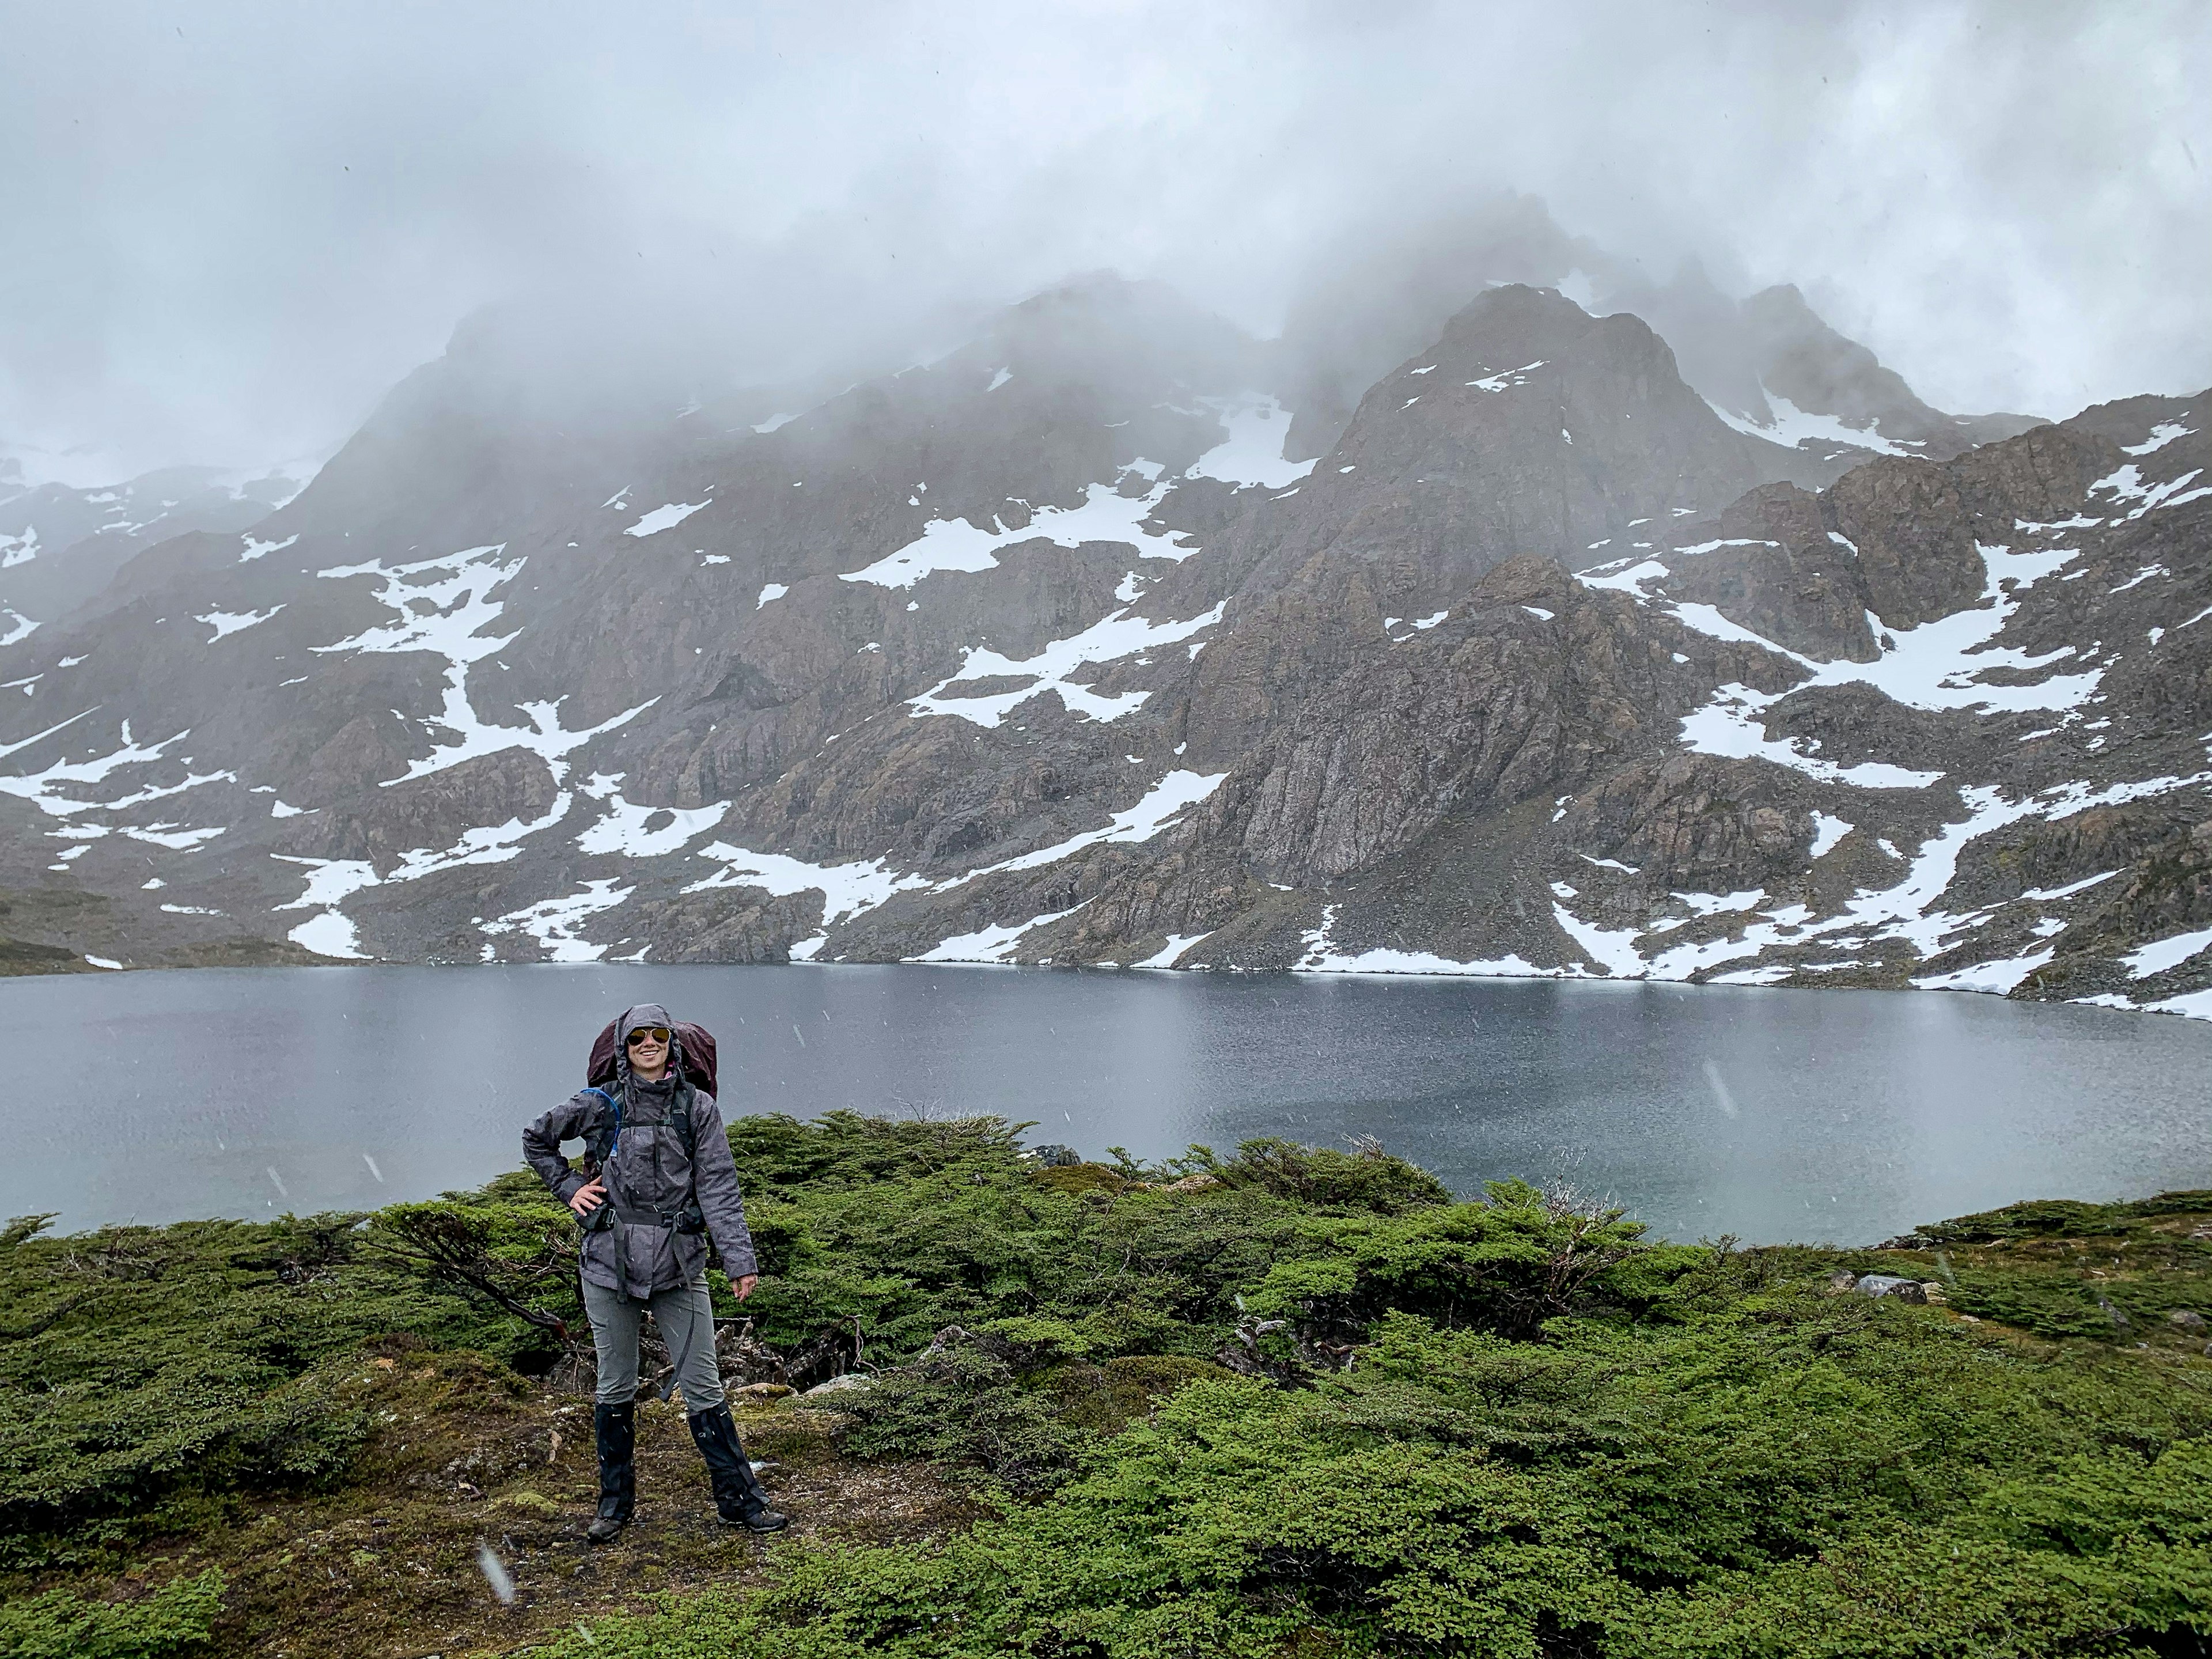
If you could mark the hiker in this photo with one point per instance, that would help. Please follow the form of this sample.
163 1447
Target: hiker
658 1175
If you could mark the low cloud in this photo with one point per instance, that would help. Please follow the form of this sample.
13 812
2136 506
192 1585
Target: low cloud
232 227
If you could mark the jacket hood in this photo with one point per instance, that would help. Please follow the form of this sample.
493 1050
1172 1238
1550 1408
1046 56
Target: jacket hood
646 1013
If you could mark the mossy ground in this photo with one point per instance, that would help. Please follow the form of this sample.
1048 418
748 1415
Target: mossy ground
2055 1268
1553 1439
467 1452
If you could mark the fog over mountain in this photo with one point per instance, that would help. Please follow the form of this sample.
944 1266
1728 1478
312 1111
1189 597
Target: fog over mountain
1195 503
232 227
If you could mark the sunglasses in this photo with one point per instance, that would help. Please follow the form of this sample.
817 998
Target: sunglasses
648 1034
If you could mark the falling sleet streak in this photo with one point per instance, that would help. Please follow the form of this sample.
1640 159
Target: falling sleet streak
1722 1098
496 1574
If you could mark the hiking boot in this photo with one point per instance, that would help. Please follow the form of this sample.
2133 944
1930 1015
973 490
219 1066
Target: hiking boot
615 1427
739 1498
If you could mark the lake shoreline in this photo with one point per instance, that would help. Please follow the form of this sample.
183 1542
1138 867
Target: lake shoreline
85 965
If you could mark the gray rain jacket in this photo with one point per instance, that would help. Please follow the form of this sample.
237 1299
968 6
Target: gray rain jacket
650 1176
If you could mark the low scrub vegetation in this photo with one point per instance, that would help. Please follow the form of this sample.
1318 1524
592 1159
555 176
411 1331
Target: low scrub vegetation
1280 1403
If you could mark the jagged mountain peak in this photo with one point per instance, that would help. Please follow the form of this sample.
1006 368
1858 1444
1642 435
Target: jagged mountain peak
60 545
1771 366
1800 358
1102 294
1527 426
1387 290
1904 730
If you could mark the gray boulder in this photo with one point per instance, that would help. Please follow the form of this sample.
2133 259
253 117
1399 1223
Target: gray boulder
1899 1290
851 1382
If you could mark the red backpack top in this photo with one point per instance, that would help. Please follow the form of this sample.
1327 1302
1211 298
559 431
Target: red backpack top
695 1041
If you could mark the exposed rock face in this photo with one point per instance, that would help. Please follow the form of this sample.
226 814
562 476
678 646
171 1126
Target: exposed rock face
1494 705
1387 293
1782 572
1044 651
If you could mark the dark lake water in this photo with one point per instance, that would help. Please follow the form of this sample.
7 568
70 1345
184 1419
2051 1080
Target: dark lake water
1830 1115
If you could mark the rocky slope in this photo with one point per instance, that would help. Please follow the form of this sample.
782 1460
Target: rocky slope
1044 651
59 546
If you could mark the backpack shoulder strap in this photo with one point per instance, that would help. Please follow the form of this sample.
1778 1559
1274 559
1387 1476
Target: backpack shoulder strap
601 1146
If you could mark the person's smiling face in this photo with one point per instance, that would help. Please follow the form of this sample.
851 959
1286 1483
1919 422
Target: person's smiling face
648 1050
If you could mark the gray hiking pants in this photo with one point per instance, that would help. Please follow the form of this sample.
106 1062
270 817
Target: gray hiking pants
685 1319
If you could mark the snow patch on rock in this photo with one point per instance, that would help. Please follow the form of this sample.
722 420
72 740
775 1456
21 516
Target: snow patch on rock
630 830
1992 978
1729 726
445 614
1793 428
556 923
226 623
1252 454
993 944
1110 639
1322 957
2160 435
1177 944
957 544
664 517
1507 380
2162 954
1163 804
257 549
330 883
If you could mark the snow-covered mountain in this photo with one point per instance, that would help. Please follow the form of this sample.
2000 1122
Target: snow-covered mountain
60 545
1057 648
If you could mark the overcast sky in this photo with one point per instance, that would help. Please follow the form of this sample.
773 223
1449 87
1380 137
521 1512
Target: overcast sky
228 228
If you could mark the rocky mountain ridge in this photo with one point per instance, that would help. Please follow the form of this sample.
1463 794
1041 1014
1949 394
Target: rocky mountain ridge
1768 363
1049 650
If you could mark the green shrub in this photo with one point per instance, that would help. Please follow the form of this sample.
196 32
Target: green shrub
174 1620
1321 1177
1106 1398
156 1373
1738 1467
2061 1217
1514 1426
1507 1265
965 1405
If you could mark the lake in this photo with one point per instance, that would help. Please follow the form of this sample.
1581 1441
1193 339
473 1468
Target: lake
1829 1115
